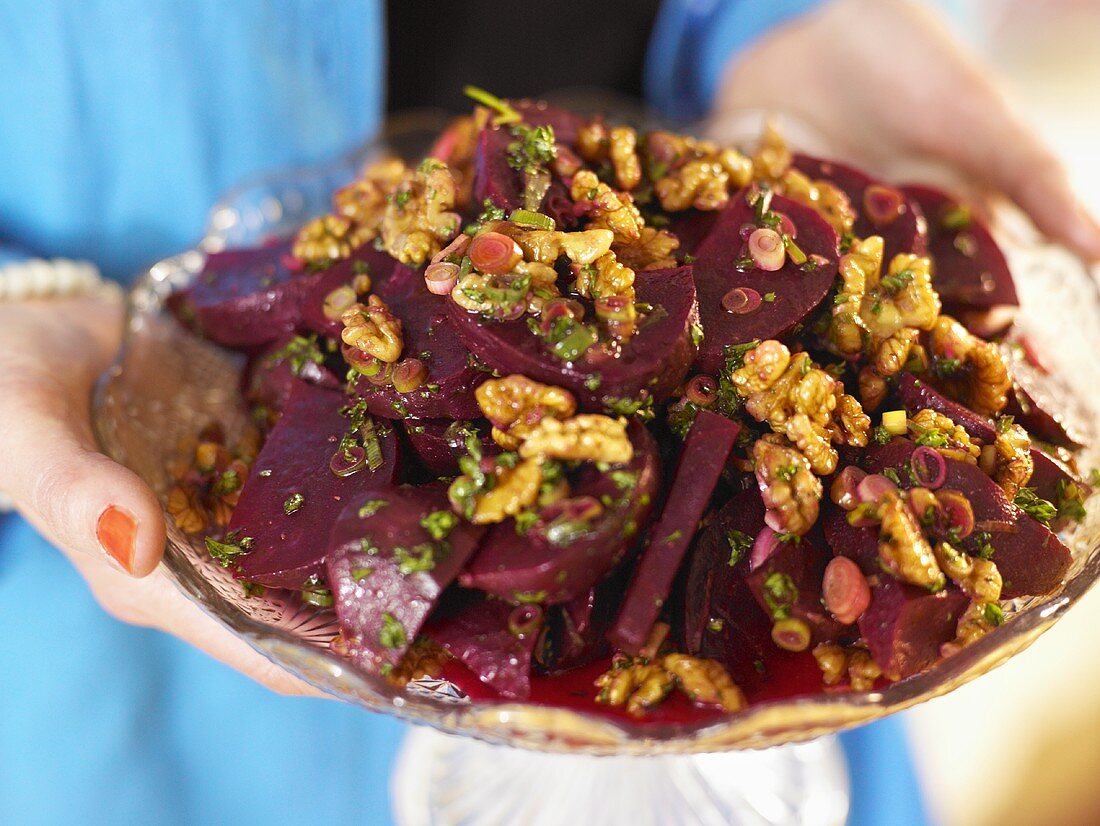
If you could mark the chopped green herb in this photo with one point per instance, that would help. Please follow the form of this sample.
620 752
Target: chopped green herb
417 559
533 148
529 597
371 507
359 574
716 625
227 483
882 436
529 218
642 407
946 368
593 381
392 635
567 338
933 437
697 334
624 479
321 597
789 537
674 536
956 218
1004 423
227 551
895 282
769 298
787 472
299 351
439 524
993 614
1031 504
780 594
506 113
983 544
1071 501
293 502
740 544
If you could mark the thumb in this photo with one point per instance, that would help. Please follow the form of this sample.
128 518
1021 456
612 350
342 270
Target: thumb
50 467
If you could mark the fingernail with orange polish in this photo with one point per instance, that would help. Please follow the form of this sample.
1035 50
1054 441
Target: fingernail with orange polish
116 531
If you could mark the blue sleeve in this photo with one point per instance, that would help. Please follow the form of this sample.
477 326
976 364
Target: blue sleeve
692 42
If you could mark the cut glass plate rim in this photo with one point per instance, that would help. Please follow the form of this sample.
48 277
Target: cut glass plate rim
273 205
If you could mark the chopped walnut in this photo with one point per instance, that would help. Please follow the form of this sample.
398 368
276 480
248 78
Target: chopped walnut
363 201
374 330
903 550
515 404
1013 464
978 578
635 683
325 239
855 663
968 368
546 246
514 489
873 389
704 681
418 220
936 430
423 660
589 437
593 141
208 479
652 251
495 296
606 208
186 509
801 402
878 315
622 150
705 180
976 621
605 278
824 197
790 491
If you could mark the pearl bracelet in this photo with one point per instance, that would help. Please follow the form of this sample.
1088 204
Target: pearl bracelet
56 278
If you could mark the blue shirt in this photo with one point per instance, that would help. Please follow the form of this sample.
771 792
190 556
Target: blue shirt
124 120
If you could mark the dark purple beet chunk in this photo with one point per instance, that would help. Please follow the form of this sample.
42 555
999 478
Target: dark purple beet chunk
692 228
288 549
494 179
270 376
799 567
1031 559
532 568
905 626
427 329
565 123
243 298
797 293
858 544
480 637
576 631
1047 407
906 233
1050 477
438 447
721 618
916 394
386 571
969 268
366 260
653 362
706 449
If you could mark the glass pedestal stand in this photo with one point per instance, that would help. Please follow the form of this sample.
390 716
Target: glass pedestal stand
443 780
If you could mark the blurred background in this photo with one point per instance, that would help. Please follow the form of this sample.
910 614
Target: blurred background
1022 745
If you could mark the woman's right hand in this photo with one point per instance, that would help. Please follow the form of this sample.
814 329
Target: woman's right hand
101 515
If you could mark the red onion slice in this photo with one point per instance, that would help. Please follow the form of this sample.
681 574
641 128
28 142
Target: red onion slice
845 590
767 249
742 301
929 467
766 544
872 488
844 490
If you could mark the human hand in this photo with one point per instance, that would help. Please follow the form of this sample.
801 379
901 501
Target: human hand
100 514
884 79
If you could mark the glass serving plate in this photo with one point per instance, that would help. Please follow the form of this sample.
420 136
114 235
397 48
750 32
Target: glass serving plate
167 383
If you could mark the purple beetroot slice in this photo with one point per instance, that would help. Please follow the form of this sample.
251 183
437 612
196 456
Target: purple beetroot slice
721 618
905 626
271 374
366 260
1045 405
289 512
494 179
531 568
858 544
392 552
906 233
692 228
969 268
565 123
1031 559
448 392
576 631
797 293
706 448
438 443
244 298
652 364
788 584
483 637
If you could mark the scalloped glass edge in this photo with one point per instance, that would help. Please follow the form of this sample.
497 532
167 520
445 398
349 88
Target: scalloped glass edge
138 428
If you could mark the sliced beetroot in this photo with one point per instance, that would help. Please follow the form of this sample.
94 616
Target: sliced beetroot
797 292
244 298
916 394
905 233
484 637
1052 477
905 626
788 584
858 544
532 568
1031 559
272 373
438 443
566 124
448 392
1045 405
721 618
692 228
494 179
576 631
969 268
386 570
292 497
706 448
652 363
